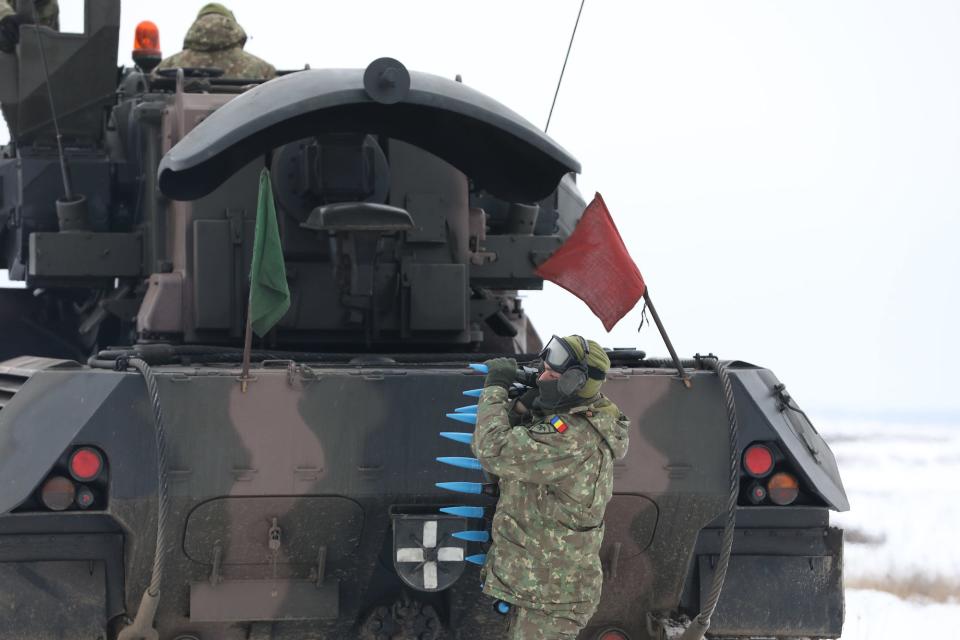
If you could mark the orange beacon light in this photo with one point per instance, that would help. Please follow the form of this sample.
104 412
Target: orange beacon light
146 46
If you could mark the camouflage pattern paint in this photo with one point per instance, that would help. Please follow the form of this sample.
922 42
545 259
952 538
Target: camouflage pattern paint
48 12
216 41
331 452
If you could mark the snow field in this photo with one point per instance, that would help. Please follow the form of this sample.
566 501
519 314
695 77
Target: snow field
902 553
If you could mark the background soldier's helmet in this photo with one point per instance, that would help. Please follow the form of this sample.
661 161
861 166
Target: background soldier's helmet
214 29
216 7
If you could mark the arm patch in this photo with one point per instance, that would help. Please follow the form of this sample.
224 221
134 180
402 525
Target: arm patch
541 428
555 424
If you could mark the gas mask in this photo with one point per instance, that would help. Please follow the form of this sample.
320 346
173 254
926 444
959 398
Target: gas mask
574 372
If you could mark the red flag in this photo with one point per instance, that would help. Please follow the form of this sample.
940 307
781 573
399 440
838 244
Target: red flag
594 265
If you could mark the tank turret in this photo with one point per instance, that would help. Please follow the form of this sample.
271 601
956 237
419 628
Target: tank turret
412 209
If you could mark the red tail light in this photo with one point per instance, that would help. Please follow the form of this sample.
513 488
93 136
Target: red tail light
758 460
612 634
86 463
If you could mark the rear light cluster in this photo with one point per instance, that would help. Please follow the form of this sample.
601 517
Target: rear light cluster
763 486
612 634
80 484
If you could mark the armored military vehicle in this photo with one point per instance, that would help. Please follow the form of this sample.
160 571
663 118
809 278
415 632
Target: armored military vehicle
144 493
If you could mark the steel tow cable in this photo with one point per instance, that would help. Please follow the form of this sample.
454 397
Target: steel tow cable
699 625
142 625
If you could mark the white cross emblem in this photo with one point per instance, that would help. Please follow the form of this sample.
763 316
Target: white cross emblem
424 555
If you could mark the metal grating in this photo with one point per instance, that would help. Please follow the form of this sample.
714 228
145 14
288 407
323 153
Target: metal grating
9 385
14 373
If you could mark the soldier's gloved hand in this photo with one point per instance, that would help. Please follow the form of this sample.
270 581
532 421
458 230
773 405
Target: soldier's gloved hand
501 372
527 399
9 32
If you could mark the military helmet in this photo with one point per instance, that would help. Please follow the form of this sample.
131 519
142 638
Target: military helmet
216 8
215 29
582 364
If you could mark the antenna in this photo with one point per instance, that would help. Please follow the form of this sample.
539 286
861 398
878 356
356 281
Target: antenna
567 57
64 169
71 209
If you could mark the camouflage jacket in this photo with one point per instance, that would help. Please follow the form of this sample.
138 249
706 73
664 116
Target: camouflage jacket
556 477
217 41
48 12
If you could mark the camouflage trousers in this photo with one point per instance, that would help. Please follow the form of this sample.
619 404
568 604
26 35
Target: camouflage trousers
531 624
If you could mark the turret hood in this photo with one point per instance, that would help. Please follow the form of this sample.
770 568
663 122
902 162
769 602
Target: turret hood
495 147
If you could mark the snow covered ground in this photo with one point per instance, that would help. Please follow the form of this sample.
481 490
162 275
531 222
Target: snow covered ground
902 552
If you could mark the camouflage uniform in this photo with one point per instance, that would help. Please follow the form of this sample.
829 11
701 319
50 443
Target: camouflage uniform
555 482
48 15
48 12
216 40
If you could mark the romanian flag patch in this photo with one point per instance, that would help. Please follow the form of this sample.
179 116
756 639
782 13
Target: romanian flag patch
558 424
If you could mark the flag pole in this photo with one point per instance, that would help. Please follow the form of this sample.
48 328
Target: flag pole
248 330
247 343
666 339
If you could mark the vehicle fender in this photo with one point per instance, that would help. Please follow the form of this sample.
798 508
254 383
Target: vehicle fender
40 421
760 396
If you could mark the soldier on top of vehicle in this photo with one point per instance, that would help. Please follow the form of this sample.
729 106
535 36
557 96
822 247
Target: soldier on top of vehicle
47 15
553 451
215 40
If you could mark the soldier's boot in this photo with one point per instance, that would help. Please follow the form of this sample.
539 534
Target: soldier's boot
530 624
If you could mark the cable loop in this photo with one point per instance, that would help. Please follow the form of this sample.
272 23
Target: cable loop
162 548
726 546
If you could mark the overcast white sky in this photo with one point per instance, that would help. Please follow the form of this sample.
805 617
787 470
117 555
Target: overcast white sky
785 174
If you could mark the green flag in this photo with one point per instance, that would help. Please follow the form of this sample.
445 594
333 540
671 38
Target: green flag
269 295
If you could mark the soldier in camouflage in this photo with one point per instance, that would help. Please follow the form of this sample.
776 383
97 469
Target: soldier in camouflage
47 15
215 40
553 451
